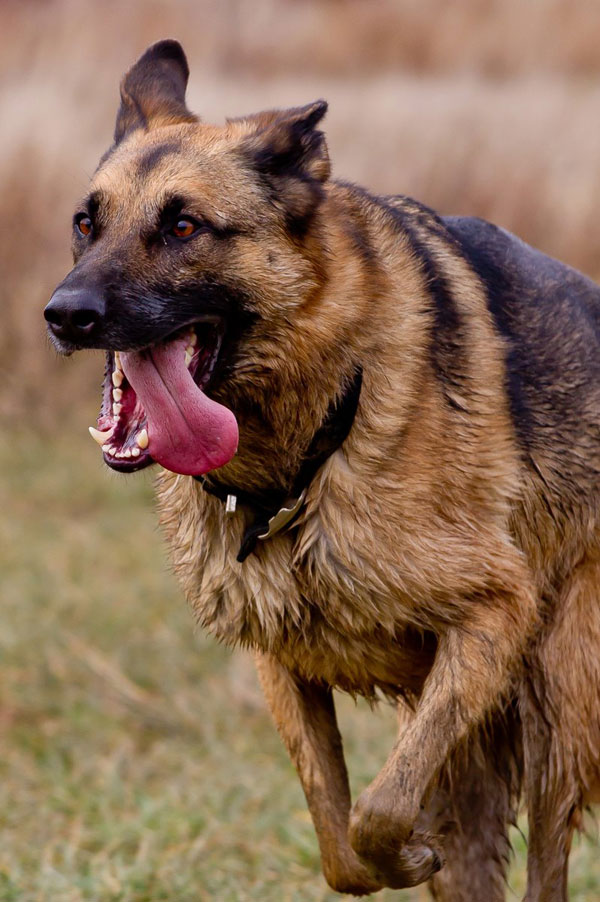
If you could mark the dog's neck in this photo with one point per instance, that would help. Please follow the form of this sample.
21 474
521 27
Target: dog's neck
280 412
274 511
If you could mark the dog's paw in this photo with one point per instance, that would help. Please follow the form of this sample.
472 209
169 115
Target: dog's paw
393 854
361 882
409 865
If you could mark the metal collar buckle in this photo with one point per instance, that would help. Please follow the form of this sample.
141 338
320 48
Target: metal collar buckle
284 516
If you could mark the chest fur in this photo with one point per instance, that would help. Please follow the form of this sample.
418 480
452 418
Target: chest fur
350 596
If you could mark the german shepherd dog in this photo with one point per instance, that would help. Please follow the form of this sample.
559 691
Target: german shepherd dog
379 432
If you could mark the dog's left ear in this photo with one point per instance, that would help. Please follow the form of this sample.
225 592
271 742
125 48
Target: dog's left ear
153 91
290 153
286 141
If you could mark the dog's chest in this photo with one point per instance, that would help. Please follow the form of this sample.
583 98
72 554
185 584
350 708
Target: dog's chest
315 614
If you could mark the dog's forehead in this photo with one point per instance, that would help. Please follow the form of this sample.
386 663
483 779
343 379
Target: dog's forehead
198 163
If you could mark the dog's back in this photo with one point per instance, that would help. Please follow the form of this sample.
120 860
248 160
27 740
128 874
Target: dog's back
549 315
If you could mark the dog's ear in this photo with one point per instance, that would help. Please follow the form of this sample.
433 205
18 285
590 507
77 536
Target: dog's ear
153 91
286 142
291 156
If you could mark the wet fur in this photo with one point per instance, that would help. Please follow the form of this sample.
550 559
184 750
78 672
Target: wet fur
448 552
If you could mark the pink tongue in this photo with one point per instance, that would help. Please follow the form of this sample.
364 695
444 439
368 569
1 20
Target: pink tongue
187 432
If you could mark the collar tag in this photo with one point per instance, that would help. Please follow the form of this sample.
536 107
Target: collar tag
230 504
284 516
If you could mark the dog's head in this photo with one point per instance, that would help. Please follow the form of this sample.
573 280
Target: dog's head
189 236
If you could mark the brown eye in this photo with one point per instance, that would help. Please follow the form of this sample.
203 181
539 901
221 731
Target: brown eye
184 228
84 225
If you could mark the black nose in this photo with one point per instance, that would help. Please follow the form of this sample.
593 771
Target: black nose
75 315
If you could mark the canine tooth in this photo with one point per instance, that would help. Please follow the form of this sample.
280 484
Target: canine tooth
117 394
188 358
142 439
116 409
118 362
135 452
193 340
117 378
98 436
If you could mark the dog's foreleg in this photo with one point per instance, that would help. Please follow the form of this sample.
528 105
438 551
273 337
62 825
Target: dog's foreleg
304 714
471 671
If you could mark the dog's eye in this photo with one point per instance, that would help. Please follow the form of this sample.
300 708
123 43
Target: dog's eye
184 227
83 224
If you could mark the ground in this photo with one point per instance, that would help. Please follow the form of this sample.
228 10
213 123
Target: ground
138 762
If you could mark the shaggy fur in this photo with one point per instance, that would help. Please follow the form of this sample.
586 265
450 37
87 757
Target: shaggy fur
447 553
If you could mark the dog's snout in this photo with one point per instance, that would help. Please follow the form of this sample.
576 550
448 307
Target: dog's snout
75 315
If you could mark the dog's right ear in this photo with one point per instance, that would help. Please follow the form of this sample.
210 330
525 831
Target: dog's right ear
153 91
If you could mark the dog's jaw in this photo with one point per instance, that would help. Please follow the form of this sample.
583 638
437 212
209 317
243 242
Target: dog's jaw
154 407
122 424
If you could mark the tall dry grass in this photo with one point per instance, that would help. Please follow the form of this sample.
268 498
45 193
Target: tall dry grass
488 107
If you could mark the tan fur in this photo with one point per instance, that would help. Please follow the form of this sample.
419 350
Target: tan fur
434 560
438 557
440 534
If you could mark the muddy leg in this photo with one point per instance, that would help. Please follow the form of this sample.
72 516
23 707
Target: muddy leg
471 671
304 714
472 807
552 811
560 709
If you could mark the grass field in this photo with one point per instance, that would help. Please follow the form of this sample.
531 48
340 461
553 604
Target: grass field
138 762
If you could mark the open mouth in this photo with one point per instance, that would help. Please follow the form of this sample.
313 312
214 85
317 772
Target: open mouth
154 406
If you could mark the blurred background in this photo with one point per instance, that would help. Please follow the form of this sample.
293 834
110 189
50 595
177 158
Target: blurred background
138 762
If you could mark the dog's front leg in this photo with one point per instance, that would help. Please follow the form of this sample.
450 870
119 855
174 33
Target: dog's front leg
304 714
471 671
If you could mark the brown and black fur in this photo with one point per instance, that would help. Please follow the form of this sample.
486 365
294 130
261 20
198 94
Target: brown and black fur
448 552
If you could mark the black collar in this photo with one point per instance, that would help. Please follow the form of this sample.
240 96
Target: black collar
275 510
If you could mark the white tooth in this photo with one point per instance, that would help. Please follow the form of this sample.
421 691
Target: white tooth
188 358
116 409
135 452
117 378
193 340
127 452
118 361
142 439
117 394
100 437
106 449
